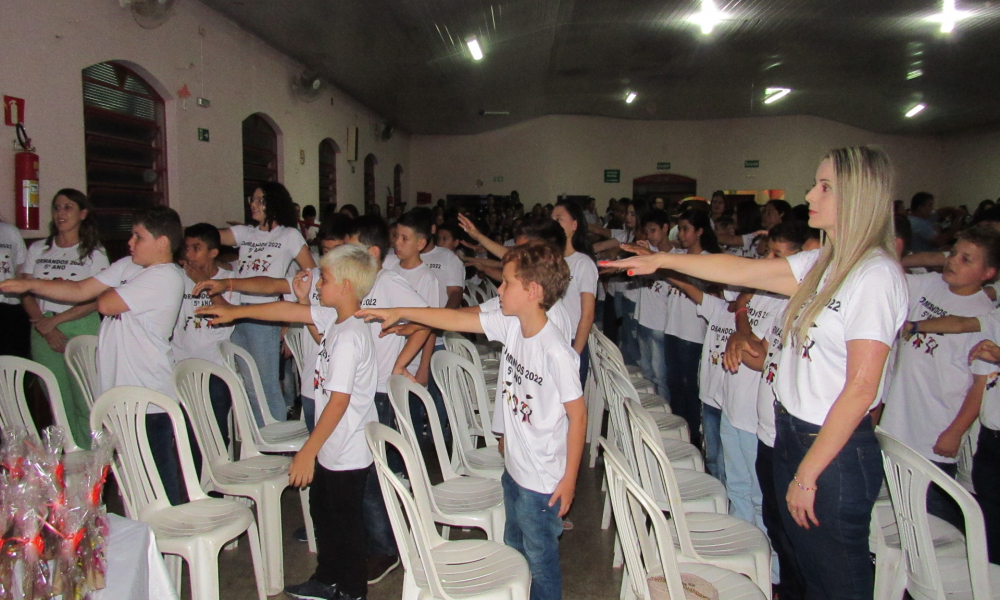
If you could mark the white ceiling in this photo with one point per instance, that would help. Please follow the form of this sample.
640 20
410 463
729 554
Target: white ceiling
847 60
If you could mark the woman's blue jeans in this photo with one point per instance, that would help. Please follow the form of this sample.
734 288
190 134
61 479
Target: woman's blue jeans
682 380
263 341
833 557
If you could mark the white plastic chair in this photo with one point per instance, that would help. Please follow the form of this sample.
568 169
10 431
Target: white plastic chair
14 413
195 531
464 396
294 340
272 436
434 567
709 537
490 367
648 545
928 574
81 360
634 373
260 477
458 501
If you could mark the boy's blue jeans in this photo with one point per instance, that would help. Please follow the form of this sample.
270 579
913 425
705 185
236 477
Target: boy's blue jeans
533 529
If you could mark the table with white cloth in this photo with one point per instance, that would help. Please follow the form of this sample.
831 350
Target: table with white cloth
136 570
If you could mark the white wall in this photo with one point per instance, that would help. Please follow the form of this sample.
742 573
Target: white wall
973 169
553 155
45 44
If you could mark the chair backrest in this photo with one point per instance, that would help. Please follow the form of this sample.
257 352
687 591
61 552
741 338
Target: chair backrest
656 474
469 300
293 337
490 288
244 412
619 431
14 411
644 533
909 474
462 381
481 295
230 353
400 389
122 411
410 512
81 359
191 382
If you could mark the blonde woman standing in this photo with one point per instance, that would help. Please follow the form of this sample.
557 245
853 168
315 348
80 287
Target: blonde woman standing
848 300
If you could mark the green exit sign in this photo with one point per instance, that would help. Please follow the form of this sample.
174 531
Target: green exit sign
751 164
202 134
612 176
662 166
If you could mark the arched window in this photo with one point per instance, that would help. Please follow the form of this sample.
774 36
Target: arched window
397 184
328 151
125 146
370 163
260 156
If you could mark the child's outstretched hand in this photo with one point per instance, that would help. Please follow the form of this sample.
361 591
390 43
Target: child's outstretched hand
214 287
222 313
15 286
302 285
564 492
636 265
388 316
300 472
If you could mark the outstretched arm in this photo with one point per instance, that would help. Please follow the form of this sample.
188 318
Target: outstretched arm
288 312
62 291
948 324
436 318
770 274
497 250
251 285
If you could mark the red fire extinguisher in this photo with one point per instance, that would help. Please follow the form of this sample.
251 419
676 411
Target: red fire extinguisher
26 182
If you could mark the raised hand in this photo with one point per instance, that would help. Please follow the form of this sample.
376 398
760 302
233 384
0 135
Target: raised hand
302 285
214 287
222 313
636 265
639 248
388 316
985 350
469 227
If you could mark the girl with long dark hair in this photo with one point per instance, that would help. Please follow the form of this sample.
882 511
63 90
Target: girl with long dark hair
581 295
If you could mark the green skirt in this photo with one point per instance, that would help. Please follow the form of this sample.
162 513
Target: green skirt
77 410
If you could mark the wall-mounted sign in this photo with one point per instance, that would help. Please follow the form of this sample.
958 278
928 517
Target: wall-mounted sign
612 176
751 164
662 166
202 134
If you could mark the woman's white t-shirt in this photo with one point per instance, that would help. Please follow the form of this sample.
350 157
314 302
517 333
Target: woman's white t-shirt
582 280
193 336
537 376
682 315
45 262
932 373
12 256
133 348
739 389
346 364
870 305
766 429
265 253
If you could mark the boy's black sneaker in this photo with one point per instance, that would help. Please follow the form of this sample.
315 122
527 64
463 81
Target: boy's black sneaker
380 565
342 596
312 589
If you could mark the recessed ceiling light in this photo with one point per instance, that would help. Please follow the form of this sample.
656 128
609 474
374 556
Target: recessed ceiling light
917 108
477 52
949 16
708 18
914 73
630 97
773 94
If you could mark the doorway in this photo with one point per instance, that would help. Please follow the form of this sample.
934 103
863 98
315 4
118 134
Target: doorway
672 188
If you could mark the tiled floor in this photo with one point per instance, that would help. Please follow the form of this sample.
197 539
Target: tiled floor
586 553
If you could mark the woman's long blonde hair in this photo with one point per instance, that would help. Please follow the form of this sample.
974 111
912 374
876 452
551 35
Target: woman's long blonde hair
863 186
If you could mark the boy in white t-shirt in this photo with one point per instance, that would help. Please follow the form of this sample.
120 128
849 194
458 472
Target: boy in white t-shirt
933 396
543 413
193 337
139 297
651 309
335 459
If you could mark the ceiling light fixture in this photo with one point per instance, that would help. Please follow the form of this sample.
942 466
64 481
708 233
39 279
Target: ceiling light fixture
708 18
477 52
949 16
773 94
630 97
914 73
915 110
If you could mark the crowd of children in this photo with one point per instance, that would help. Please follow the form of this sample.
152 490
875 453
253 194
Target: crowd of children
757 324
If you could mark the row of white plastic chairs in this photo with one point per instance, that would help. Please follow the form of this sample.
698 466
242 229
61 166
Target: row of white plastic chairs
476 294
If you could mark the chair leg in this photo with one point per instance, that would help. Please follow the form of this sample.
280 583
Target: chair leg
258 560
203 571
308 520
889 574
595 416
445 531
269 526
175 565
619 558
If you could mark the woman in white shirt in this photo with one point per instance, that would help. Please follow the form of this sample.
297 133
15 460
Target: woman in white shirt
847 303
581 295
267 249
72 252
